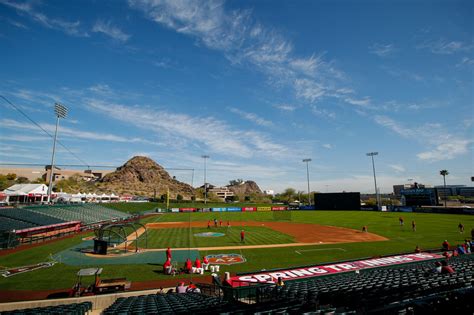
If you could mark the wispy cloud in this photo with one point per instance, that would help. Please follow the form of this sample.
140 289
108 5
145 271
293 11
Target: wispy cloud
251 117
245 41
110 30
445 47
359 102
397 167
466 61
70 28
443 145
404 74
17 24
382 50
73 133
327 146
207 132
286 107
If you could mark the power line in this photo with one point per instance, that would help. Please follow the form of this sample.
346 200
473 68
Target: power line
46 132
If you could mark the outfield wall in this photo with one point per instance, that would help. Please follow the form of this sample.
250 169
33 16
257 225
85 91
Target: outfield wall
228 209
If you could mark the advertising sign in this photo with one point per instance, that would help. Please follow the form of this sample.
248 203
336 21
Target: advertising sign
264 208
246 209
234 209
279 208
308 272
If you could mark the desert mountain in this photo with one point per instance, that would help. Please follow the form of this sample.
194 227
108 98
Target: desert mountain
246 188
142 176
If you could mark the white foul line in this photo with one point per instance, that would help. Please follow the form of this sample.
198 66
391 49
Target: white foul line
316 249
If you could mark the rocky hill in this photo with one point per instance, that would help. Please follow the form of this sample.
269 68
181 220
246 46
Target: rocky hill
143 176
246 188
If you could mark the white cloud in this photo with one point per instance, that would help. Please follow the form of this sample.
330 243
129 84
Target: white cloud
445 47
214 135
382 50
321 112
110 30
286 107
17 24
309 90
359 102
397 167
447 150
70 132
466 62
446 146
327 146
244 41
70 28
251 117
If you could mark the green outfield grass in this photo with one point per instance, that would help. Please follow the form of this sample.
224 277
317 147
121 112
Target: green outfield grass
184 237
432 229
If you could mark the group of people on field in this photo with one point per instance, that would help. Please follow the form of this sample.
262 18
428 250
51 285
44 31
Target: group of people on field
188 267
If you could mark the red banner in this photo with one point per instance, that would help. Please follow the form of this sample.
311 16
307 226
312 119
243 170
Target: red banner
187 209
249 209
308 272
279 208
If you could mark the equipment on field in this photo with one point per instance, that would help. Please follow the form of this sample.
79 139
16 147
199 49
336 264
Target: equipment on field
99 286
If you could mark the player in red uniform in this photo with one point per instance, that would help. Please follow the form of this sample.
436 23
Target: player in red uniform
242 236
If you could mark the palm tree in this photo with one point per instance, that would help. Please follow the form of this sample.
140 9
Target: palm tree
444 173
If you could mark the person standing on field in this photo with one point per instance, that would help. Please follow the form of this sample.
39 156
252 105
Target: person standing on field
242 236
413 225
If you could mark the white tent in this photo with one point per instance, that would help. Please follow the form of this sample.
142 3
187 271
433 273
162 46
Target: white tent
27 193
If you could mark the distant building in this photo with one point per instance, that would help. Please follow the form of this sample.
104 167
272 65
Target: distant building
398 188
59 174
221 192
455 190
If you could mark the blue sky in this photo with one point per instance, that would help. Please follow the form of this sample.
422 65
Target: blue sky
256 85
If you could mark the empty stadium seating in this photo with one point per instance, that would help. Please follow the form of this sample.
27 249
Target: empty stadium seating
72 309
87 213
8 224
30 218
390 290
190 303
382 286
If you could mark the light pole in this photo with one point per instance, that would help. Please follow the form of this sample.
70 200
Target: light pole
444 173
371 154
205 157
307 177
61 112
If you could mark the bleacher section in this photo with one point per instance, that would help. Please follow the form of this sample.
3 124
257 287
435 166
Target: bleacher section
378 288
72 309
404 289
189 303
8 224
87 213
21 219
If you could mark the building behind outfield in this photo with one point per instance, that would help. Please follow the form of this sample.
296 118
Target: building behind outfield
337 201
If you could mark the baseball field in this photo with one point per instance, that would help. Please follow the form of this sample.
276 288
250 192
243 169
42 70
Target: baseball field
307 237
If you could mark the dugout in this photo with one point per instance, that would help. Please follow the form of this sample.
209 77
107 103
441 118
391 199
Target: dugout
337 201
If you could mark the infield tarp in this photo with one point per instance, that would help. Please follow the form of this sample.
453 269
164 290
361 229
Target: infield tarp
74 257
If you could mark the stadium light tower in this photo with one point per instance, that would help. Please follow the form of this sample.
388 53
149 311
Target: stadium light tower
371 154
61 112
307 176
205 157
